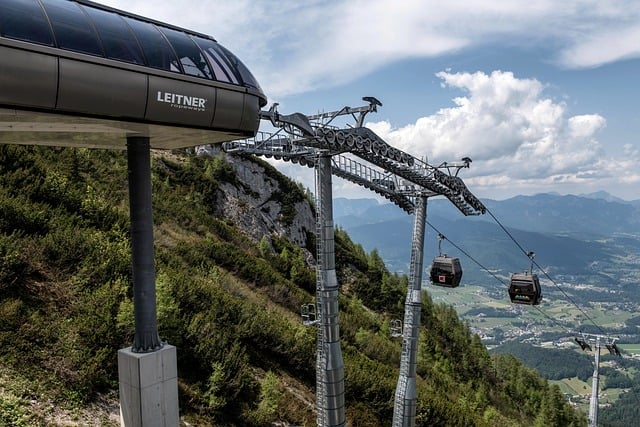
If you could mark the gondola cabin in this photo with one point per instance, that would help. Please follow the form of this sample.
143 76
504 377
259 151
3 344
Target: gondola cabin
446 271
524 288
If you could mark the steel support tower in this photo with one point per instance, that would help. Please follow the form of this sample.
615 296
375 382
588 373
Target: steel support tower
403 179
586 341
593 404
406 397
329 363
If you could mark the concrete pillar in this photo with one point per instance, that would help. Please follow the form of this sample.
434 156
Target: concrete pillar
148 388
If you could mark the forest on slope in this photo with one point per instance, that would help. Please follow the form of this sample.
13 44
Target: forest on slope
228 301
614 373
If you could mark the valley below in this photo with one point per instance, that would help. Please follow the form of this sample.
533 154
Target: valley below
587 259
584 304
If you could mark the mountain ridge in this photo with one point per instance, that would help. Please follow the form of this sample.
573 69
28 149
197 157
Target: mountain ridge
587 230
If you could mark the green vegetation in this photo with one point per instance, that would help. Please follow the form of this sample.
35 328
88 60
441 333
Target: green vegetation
618 389
624 413
230 305
630 348
554 354
551 363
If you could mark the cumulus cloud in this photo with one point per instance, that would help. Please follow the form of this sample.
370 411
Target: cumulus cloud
515 134
520 140
627 166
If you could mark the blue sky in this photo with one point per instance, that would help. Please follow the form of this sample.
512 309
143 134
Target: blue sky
541 94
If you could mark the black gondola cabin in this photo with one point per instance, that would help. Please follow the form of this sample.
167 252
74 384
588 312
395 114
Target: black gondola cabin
446 271
524 288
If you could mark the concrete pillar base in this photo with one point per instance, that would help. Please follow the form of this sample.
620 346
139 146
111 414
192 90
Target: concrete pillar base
148 388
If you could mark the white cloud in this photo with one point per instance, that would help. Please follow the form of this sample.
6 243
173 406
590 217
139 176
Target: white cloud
515 135
294 47
627 167
603 46
519 138
520 141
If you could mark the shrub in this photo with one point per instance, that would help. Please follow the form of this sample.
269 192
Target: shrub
13 262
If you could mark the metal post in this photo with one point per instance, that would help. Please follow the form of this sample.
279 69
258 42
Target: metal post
593 405
406 397
329 363
146 338
147 371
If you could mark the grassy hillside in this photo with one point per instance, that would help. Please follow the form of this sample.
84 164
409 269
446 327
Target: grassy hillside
229 303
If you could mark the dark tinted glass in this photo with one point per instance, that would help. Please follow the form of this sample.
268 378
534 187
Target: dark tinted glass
24 20
222 69
189 54
445 268
117 39
71 27
245 74
522 283
156 49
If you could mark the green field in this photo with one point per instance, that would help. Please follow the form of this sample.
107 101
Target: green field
580 392
573 386
630 348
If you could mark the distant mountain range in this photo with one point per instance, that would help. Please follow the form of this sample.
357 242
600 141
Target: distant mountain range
609 198
571 235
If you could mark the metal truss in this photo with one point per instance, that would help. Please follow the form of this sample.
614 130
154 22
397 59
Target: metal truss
386 184
398 175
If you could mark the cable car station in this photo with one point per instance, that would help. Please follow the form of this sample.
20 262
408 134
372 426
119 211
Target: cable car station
75 73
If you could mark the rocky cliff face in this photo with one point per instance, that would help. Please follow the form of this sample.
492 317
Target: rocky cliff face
256 206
